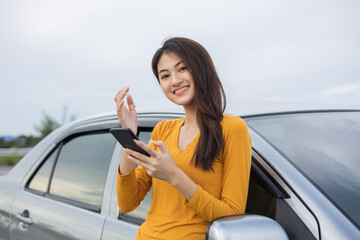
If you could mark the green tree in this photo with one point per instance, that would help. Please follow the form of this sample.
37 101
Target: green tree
2 142
65 118
47 125
32 141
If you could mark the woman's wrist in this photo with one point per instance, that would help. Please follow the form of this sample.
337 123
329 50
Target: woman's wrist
125 165
175 178
183 183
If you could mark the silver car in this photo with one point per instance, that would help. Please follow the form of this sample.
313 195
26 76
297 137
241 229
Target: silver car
304 184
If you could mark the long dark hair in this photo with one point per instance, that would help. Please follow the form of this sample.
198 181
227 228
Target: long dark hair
209 96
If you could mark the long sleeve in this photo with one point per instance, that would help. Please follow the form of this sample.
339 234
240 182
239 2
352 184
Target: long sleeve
132 187
235 180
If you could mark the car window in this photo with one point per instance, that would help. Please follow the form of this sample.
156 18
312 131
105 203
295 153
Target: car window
259 200
265 200
40 181
142 210
81 166
324 146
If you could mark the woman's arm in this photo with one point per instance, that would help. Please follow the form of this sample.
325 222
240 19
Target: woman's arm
128 119
131 185
125 165
131 188
236 158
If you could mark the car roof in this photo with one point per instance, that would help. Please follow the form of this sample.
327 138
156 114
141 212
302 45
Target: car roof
277 107
243 109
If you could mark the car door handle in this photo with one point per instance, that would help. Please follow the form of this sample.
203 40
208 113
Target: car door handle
24 217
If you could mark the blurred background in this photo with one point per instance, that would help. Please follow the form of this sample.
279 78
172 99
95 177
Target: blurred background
64 60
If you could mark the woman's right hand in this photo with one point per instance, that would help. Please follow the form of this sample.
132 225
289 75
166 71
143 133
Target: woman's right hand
127 117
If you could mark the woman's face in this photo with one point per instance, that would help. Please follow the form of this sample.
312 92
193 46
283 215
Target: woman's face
176 80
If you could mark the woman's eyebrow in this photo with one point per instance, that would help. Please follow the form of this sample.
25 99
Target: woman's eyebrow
164 70
178 63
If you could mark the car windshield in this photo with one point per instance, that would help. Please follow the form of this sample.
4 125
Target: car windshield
325 146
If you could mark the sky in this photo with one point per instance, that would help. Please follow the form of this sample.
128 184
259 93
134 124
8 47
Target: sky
77 54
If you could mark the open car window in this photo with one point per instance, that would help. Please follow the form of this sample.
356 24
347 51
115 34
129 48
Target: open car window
267 198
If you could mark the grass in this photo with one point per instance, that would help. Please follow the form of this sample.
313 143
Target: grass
9 160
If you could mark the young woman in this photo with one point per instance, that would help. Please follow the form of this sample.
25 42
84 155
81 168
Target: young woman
199 165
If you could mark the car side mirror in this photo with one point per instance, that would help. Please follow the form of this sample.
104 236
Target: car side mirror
245 227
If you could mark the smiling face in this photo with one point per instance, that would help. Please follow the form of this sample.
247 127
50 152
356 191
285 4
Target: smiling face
176 80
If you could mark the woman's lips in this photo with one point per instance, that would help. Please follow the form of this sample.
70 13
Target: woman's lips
181 90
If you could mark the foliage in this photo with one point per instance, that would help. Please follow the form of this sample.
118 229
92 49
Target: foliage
21 141
9 160
47 125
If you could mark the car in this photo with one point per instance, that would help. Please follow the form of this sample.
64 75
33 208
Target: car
304 181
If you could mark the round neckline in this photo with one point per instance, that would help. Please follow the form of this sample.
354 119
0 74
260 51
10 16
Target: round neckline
181 122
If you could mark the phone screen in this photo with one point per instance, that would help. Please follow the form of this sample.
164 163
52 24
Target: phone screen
125 136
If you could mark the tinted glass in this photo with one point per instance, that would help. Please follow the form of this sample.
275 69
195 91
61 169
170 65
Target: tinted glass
325 146
40 181
142 210
82 167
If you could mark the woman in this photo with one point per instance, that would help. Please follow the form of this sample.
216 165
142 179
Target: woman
199 165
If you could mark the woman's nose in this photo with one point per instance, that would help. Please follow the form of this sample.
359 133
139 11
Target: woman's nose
176 80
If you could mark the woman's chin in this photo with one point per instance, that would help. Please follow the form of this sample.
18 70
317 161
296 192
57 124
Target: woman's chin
184 103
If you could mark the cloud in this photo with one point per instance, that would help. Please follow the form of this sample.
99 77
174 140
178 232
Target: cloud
341 90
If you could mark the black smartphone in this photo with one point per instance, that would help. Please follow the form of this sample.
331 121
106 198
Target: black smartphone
125 136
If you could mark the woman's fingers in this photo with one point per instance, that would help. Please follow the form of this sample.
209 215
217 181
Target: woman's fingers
141 156
130 102
121 94
139 162
161 145
137 155
120 101
119 105
147 148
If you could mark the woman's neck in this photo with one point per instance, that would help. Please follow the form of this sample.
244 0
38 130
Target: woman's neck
190 117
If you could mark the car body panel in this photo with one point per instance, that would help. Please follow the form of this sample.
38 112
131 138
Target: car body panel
69 223
118 229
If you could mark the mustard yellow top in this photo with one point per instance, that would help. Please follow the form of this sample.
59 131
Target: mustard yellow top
219 193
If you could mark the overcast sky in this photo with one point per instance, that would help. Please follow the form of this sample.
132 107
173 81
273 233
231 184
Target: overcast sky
79 53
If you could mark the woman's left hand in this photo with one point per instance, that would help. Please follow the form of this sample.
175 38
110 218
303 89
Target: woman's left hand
158 165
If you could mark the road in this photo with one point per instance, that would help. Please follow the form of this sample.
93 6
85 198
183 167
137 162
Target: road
4 170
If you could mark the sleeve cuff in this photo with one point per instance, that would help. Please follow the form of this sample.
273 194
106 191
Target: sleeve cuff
126 180
195 198
127 174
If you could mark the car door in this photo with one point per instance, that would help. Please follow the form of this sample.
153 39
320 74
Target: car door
124 226
63 198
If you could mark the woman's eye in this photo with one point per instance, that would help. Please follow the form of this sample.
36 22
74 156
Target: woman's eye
165 76
182 69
